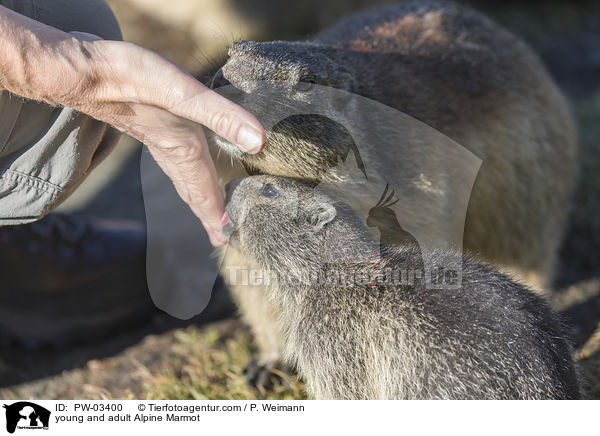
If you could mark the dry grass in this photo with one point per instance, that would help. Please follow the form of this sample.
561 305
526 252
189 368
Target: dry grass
205 364
183 364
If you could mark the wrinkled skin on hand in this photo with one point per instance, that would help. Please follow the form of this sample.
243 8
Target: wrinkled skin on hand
138 92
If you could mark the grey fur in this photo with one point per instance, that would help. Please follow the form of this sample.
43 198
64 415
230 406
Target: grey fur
489 339
462 74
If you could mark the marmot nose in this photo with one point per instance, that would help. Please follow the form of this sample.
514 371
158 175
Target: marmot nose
219 80
230 187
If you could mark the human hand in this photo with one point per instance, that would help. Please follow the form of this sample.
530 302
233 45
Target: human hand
170 124
145 96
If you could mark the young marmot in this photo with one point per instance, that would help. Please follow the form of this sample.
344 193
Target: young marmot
454 70
369 338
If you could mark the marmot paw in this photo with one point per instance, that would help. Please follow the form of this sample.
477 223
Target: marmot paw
263 375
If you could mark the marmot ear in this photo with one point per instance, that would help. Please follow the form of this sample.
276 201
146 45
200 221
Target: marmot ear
321 215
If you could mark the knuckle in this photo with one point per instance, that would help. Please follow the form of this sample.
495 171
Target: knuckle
222 123
193 196
199 202
187 196
187 153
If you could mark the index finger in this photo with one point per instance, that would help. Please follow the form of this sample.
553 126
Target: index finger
224 117
193 174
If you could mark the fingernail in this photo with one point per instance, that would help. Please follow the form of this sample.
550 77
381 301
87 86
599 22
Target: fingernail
225 220
227 226
250 140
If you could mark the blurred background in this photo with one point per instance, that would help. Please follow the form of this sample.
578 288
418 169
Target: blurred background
154 356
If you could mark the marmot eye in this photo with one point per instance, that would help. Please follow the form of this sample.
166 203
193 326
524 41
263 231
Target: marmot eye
269 191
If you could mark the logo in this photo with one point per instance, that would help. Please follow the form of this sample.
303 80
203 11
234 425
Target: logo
26 415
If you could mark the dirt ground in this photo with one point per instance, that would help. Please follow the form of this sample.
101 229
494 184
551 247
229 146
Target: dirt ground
160 357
